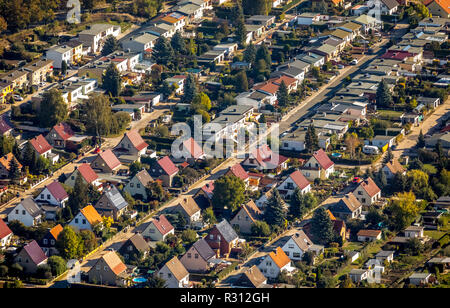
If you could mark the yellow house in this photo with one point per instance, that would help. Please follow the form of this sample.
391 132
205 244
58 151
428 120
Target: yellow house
5 89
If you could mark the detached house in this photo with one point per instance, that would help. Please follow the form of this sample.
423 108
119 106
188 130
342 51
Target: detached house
251 278
203 197
222 238
174 273
95 35
5 163
5 127
238 172
263 158
295 180
275 263
348 207
48 243
164 170
53 194
111 204
5 234
392 168
369 235
245 218
134 247
41 146
136 187
86 219
318 166
297 245
59 135
108 270
27 212
87 174
106 162
389 7
132 144
31 257
158 229
198 258
189 209
367 192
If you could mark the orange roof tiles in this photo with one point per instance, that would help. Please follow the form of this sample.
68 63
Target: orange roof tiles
55 231
91 214
279 257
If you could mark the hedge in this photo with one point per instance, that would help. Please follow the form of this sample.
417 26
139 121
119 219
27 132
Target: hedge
226 271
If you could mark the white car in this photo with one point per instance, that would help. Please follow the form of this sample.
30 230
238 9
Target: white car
17 97
354 62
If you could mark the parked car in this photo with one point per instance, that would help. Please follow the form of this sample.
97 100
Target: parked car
354 62
17 97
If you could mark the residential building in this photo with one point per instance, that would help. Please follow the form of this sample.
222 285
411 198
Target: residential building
86 219
391 168
199 258
30 257
297 245
295 180
53 194
367 192
274 263
239 172
318 166
132 144
140 43
189 209
348 207
385 256
5 163
263 158
158 229
369 235
164 170
106 162
41 146
87 174
38 71
48 242
389 7
135 248
17 78
108 270
222 238
439 8
174 273
414 232
70 52
59 135
5 234
27 212
251 278
137 186
247 215
111 203
95 35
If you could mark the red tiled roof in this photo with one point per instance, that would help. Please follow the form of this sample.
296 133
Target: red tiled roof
87 173
4 229
57 190
110 159
63 130
444 4
239 172
396 55
40 144
369 233
279 257
167 165
35 252
268 87
136 139
162 224
299 179
288 81
322 158
193 148
370 187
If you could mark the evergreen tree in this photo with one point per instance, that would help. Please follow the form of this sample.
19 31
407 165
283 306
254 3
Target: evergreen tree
421 140
240 31
311 139
250 54
283 95
322 226
29 157
297 205
384 97
14 171
190 89
275 214
263 53
389 156
63 67
241 81
381 179
163 52
111 45
53 109
178 44
111 81
78 198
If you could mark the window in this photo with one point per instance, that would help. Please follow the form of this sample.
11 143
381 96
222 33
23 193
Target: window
131 185
48 197
97 267
291 246
23 212
17 212
130 248
211 236
189 255
76 220
52 242
45 241
296 255
196 255
84 221
105 268
138 185
42 196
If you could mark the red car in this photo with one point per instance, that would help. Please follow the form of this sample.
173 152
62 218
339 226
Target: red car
356 180
97 150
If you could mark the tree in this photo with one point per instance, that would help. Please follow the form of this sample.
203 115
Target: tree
208 216
241 81
146 8
352 142
29 157
228 193
98 115
201 102
283 95
14 171
240 31
69 244
275 213
53 109
163 52
156 192
178 44
260 228
135 167
111 45
250 54
78 197
384 97
263 53
189 236
63 67
403 210
322 226
57 265
166 90
111 81
89 241
190 89
389 156
311 139
3 24
421 140
301 203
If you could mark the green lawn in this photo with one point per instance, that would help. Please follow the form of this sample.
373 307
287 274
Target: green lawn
390 113
435 235
352 246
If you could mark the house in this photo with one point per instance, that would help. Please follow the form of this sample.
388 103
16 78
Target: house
158 229
439 8
26 212
48 242
389 7
307 18
5 127
177 81
295 141
71 52
87 174
353 255
297 245
369 235
246 217
251 278
274 263
5 163
140 43
357 275
203 197
190 151
414 232
86 219
17 79
239 172
263 158
111 203
174 273
134 248
348 207
41 146
318 166
385 255
108 270
264 20
30 257
53 194
5 234
199 257
222 238
95 35
38 71
189 209
137 186
59 135
418 279
295 180
392 168
106 162
132 144
367 192
164 170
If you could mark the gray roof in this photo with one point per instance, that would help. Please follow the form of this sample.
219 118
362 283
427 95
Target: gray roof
226 231
139 242
385 253
31 207
144 177
204 249
419 276
390 3
116 198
